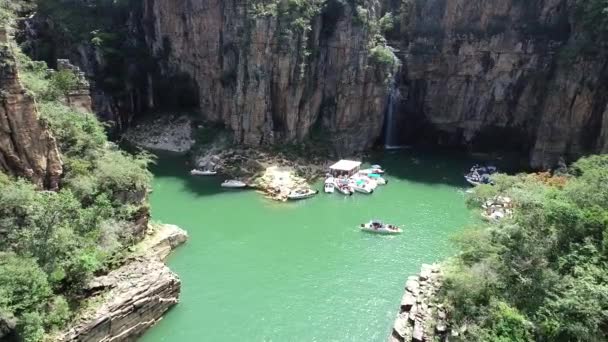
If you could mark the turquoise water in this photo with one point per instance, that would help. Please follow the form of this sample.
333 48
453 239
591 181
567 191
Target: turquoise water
257 270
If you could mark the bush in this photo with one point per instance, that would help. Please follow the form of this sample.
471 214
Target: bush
540 274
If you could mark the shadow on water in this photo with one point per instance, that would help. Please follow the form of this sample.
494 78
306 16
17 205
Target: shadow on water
425 166
175 165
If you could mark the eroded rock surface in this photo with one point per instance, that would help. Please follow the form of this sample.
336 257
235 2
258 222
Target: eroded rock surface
420 318
27 147
133 297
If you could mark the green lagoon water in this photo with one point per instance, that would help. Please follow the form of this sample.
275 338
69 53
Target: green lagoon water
257 270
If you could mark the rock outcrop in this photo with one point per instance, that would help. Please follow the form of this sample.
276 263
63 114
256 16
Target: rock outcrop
420 318
165 133
133 297
27 147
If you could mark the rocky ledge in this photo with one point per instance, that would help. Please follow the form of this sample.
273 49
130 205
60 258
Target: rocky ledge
420 317
171 133
129 300
274 173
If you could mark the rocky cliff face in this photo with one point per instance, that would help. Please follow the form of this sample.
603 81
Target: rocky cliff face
134 297
274 74
495 74
27 148
481 74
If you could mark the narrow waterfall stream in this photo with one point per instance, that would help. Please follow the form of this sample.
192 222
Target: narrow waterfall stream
391 134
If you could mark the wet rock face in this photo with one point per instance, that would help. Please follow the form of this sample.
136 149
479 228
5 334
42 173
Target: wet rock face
269 86
27 147
492 74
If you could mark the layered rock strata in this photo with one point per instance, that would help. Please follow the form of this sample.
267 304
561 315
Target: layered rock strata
27 147
420 318
274 78
133 297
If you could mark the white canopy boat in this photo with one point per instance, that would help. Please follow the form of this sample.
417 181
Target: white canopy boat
196 172
329 185
233 183
301 194
376 226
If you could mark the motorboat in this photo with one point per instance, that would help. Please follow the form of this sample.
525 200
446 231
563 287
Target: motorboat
478 179
362 186
196 172
302 194
377 178
377 170
376 226
343 187
480 175
329 185
233 183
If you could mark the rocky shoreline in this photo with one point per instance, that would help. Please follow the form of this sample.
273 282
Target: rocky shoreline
129 300
420 317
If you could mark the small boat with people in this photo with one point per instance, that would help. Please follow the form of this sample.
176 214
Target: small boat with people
233 183
343 187
379 227
329 185
196 172
300 194
480 175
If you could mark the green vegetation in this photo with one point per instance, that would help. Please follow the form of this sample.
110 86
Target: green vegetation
543 273
52 243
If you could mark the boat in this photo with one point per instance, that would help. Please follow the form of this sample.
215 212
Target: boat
329 185
377 178
480 175
362 187
302 194
196 172
376 226
233 183
343 187
377 170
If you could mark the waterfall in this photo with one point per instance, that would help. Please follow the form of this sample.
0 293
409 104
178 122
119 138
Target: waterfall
390 134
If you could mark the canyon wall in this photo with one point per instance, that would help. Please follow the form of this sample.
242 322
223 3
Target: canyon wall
500 74
274 75
27 147
481 74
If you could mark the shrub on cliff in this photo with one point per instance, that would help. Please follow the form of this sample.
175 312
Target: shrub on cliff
51 243
547 266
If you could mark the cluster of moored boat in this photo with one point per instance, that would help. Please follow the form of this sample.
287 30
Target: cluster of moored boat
480 174
365 181
230 183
